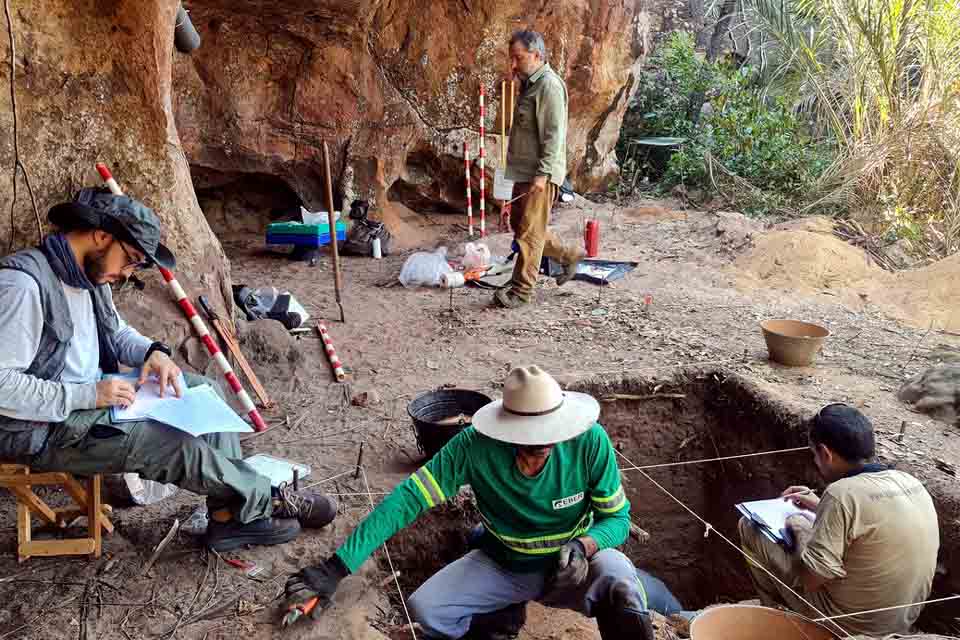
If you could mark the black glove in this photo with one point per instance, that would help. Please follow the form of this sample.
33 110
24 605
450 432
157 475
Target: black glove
572 566
320 581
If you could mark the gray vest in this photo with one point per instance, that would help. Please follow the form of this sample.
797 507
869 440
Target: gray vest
23 437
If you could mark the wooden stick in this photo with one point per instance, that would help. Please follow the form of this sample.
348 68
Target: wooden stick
160 547
234 347
334 250
94 513
225 331
503 125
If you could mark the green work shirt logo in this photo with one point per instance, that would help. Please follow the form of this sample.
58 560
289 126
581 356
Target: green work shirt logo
569 501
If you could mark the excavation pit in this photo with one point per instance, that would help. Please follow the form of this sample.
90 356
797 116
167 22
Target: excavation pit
701 416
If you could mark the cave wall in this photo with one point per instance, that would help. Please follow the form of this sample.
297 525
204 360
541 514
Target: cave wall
392 86
93 84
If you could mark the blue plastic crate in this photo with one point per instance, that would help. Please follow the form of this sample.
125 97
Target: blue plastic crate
303 240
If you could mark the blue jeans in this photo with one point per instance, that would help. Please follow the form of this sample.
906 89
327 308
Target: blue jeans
475 584
656 596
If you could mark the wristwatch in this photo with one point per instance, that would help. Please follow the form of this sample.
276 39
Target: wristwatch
158 346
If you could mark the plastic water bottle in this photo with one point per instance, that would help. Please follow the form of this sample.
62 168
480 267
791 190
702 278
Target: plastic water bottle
376 249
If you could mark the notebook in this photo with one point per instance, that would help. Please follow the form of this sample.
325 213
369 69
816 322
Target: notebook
771 517
198 411
146 399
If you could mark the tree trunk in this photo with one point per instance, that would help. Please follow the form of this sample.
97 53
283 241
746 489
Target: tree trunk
728 11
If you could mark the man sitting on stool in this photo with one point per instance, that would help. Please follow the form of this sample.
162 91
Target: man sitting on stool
872 545
60 332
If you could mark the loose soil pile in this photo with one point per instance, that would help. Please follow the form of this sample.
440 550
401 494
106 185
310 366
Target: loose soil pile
809 262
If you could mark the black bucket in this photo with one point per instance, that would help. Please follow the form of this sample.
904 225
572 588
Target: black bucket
428 409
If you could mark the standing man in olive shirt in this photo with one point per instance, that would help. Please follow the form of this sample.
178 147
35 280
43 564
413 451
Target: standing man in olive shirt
872 545
537 163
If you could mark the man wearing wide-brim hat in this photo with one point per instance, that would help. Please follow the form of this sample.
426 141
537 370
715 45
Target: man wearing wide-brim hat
61 334
547 486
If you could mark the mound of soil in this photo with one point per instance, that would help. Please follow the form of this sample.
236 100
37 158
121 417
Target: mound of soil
924 297
805 262
804 258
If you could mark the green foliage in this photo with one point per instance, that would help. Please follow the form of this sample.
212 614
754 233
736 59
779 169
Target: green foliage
882 79
752 148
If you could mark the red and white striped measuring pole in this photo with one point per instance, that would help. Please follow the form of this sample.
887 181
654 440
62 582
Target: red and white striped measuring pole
198 325
335 363
483 172
466 168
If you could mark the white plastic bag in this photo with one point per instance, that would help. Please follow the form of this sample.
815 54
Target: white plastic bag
475 256
424 268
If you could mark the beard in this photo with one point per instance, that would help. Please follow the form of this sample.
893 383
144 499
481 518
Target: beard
95 266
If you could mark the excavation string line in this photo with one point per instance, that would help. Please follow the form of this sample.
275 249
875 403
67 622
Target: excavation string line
339 475
720 459
899 606
709 528
396 577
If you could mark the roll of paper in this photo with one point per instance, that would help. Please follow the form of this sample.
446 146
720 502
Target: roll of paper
452 280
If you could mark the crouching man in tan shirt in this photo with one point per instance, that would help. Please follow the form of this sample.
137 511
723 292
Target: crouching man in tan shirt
873 543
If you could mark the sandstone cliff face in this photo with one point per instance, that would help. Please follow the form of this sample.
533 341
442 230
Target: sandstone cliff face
93 84
392 87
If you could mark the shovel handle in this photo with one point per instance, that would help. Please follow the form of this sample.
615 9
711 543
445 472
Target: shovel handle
207 309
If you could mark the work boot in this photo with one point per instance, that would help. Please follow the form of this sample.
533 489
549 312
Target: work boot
508 298
624 615
311 508
569 270
229 535
502 624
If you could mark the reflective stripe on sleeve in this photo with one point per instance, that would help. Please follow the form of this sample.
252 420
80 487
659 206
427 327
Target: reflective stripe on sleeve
540 545
611 504
429 487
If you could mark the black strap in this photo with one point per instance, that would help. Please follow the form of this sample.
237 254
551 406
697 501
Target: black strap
532 413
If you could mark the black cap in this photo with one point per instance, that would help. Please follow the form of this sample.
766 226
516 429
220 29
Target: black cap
124 218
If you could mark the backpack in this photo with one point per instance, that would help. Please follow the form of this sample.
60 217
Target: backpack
359 241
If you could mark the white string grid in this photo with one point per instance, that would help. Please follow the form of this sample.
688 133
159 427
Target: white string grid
735 457
708 528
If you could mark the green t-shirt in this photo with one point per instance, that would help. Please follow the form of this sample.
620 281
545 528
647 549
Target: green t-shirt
578 492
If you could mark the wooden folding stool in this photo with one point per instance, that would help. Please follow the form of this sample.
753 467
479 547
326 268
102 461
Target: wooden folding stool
19 481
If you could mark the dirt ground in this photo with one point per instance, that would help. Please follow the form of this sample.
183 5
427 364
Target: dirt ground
708 297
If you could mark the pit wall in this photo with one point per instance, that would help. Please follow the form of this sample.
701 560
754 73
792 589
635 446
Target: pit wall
719 414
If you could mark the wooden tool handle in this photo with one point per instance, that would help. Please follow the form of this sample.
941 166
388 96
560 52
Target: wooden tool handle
207 309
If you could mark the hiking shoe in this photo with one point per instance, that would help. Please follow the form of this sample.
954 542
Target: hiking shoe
311 508
226 536
569 271
508 298
502 624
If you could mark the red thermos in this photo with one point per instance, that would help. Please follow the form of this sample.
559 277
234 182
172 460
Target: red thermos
591 238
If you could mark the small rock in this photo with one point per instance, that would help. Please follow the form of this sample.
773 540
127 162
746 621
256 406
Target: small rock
366 399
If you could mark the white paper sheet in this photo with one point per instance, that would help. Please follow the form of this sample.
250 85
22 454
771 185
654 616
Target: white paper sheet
502 188
200 411
772 514
277 469
146 399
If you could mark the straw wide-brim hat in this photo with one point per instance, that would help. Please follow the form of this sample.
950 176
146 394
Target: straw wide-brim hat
536 411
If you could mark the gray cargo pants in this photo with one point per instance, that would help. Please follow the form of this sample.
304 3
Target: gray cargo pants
89 442
475 584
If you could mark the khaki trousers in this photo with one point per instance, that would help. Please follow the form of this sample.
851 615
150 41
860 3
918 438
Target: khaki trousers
528 220
779 562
